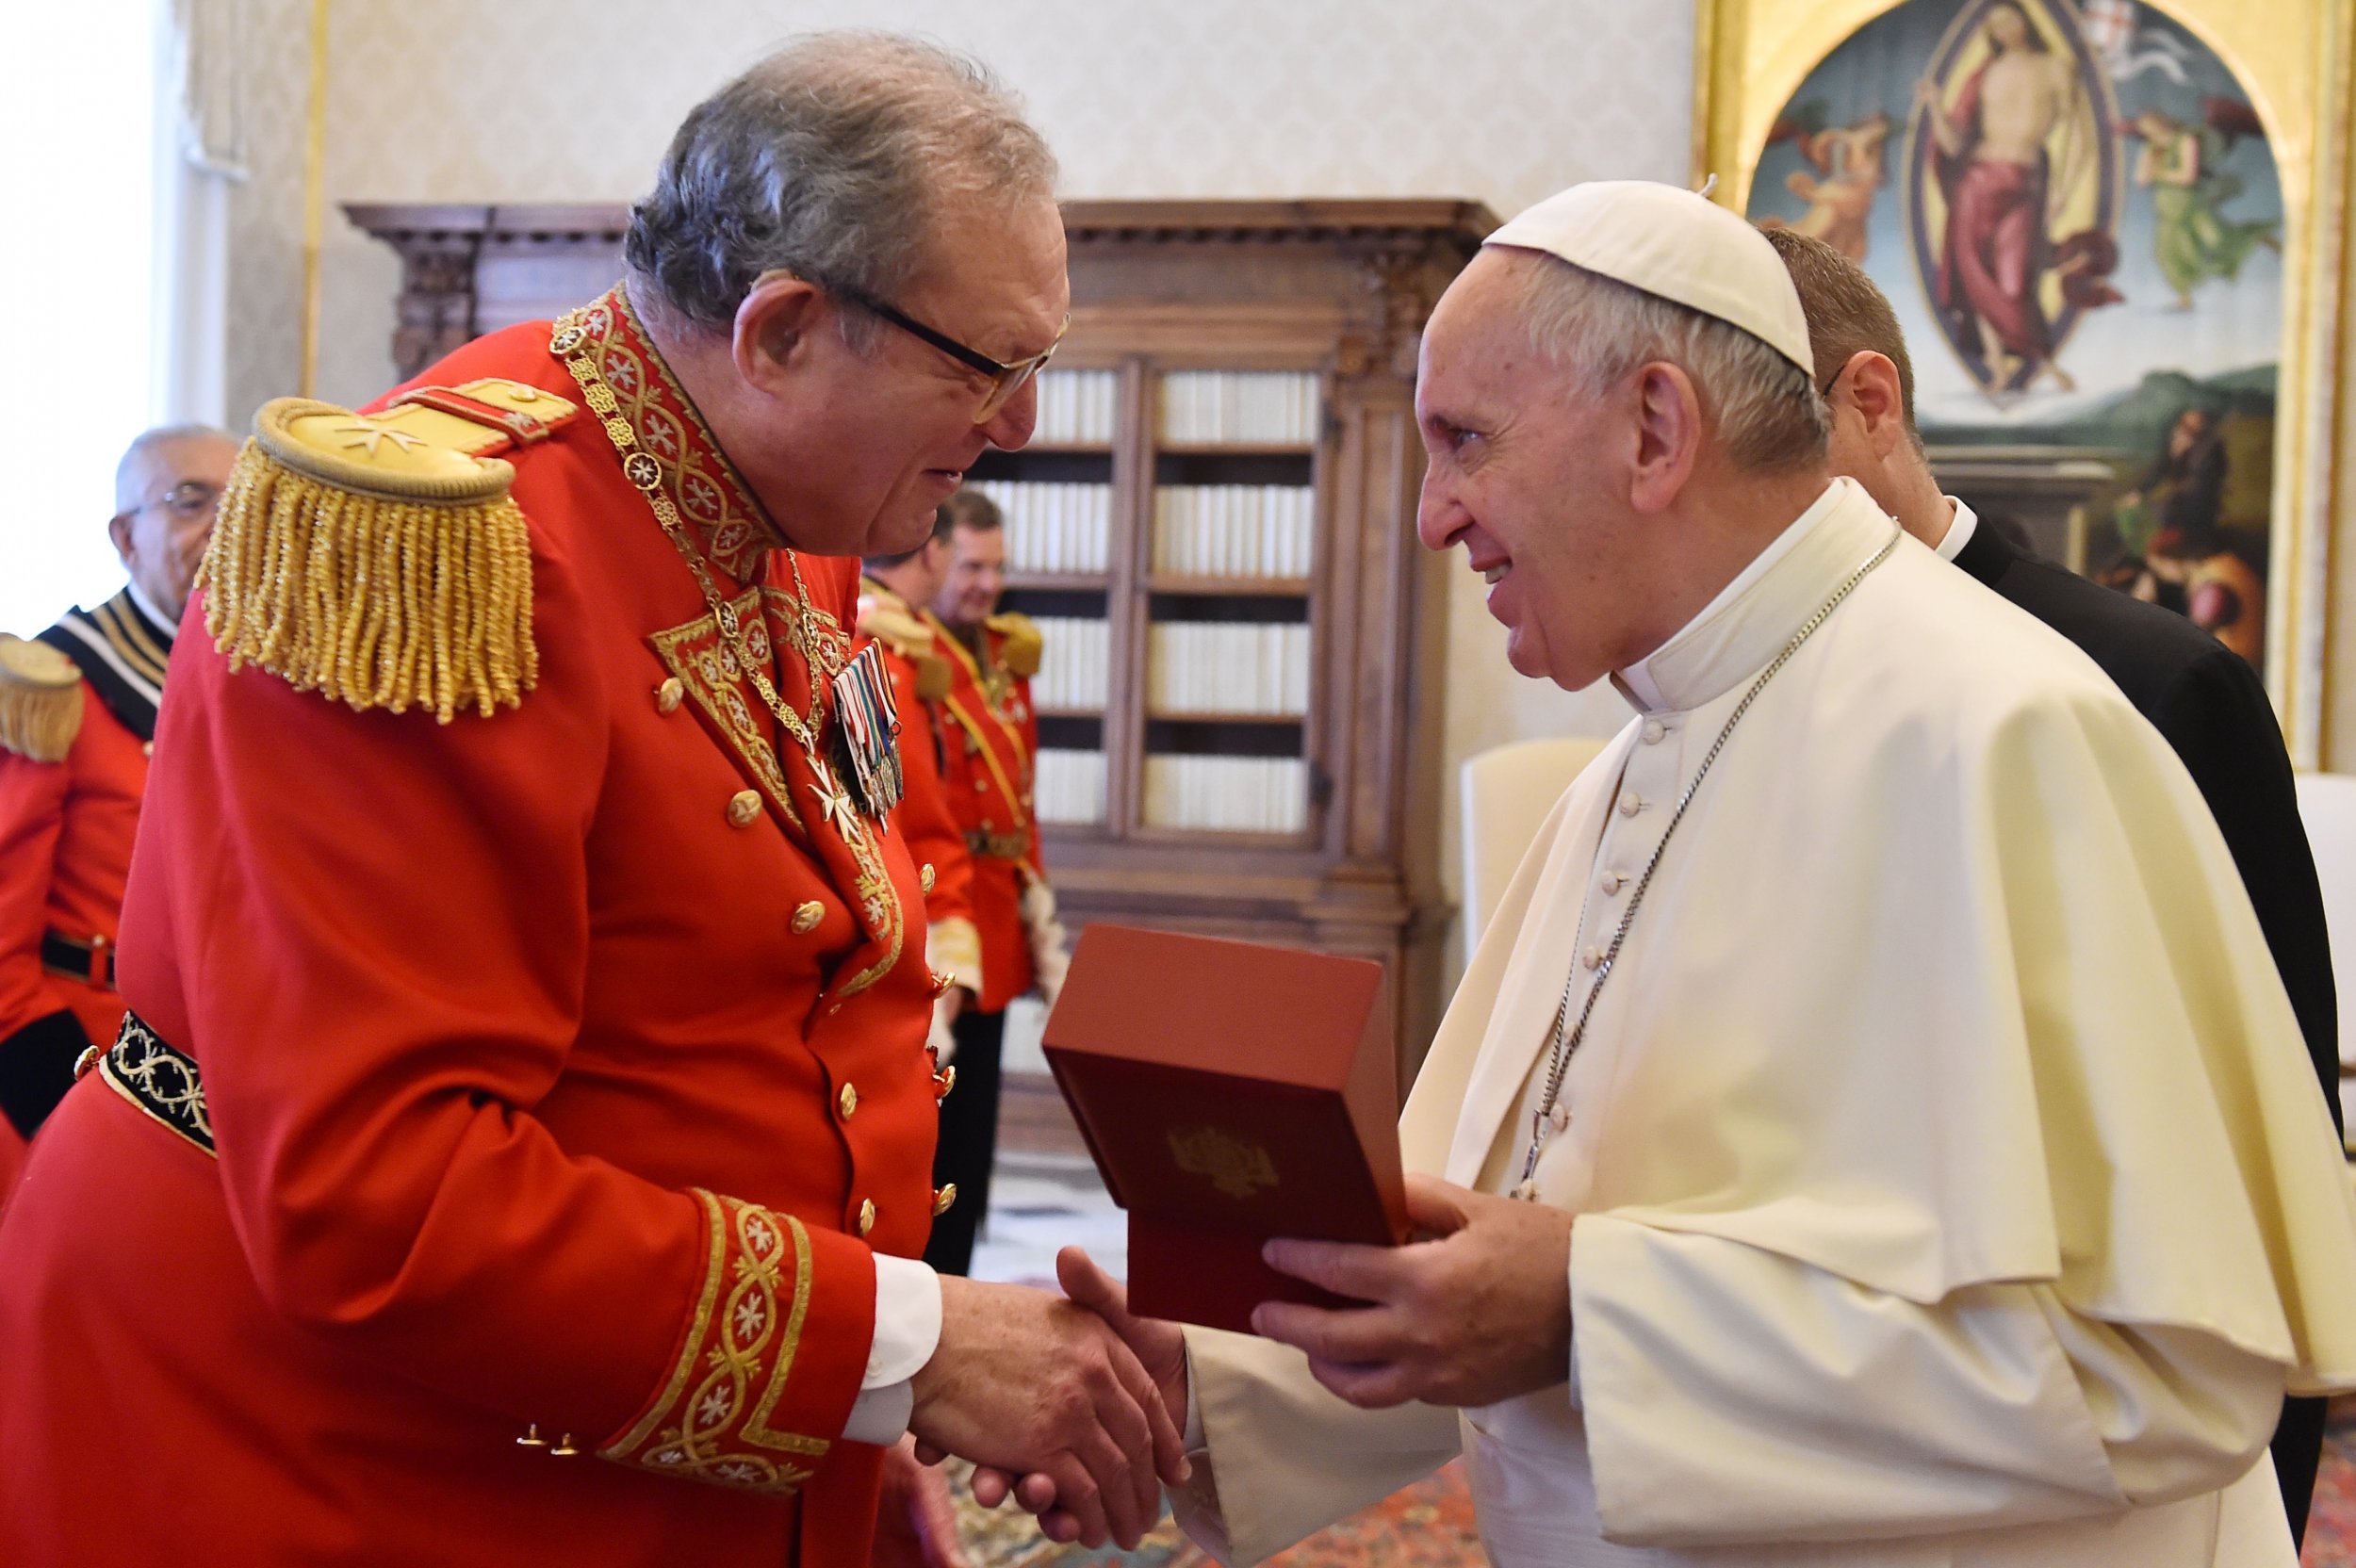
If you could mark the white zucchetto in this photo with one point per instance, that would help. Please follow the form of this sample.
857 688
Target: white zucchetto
1674 244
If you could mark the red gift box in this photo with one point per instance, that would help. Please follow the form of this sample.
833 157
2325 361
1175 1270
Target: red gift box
1229 1093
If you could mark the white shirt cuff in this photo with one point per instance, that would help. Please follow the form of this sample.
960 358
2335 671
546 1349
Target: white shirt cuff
907 1331
1961 524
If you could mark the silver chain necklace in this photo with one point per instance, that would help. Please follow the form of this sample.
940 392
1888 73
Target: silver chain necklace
1563 1045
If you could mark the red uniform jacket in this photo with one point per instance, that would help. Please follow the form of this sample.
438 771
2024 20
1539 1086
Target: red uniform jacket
991 739
66 829
926 817
564 1066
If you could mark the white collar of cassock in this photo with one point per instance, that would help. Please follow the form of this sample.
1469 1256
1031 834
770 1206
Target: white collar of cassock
1754 615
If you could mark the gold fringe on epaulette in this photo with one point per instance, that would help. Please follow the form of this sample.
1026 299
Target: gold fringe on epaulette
934 677
39 722
1022 647
344 586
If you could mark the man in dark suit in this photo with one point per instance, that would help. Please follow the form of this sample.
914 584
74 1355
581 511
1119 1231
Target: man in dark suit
2205 698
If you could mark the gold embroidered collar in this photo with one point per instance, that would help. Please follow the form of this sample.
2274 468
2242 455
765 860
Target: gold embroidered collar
731 529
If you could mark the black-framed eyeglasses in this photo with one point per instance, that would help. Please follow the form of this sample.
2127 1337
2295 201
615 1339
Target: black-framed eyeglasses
1005 380
187 500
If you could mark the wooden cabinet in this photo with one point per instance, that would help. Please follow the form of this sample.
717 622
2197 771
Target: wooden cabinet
1241 717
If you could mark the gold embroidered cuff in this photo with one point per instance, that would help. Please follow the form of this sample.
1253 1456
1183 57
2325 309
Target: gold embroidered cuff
954 947
710 1420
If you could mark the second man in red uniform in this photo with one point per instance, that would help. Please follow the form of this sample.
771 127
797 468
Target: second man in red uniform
990 745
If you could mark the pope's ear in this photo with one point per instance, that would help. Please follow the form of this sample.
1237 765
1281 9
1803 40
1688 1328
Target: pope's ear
773 327
1668 417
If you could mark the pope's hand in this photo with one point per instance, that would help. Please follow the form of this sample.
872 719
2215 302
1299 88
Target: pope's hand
1024 1382
1479 1313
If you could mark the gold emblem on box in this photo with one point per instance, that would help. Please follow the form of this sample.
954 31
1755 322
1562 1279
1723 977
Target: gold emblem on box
1234 1167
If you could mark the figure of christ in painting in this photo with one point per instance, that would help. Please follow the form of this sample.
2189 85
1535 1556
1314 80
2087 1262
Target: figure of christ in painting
1993 168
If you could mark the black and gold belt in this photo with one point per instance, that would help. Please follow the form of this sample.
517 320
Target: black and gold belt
158 1077
999 846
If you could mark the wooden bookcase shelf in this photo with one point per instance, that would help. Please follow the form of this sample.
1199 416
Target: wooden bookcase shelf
1309 313
1234 587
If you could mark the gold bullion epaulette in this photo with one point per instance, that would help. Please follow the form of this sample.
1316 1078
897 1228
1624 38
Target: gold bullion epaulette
377 559
899 629
41 700
1020 644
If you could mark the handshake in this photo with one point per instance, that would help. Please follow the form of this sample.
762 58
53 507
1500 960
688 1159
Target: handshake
1074 1407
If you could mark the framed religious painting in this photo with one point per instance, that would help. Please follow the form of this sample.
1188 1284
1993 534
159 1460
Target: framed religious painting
2115 235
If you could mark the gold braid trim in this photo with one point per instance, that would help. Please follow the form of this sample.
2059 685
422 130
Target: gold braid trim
377 568
710 1421
41 700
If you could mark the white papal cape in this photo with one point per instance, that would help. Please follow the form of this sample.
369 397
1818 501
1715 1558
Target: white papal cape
1952 1189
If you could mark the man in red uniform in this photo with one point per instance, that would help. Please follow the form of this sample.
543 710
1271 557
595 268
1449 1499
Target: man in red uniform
525 1066
78 720
990 744
890 591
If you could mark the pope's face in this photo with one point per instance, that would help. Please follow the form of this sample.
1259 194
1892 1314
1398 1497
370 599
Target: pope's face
882 438
1520 476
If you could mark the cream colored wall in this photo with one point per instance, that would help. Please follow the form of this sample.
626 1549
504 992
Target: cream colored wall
573 100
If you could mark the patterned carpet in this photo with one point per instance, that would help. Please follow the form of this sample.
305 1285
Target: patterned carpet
1427 1525
1430 1525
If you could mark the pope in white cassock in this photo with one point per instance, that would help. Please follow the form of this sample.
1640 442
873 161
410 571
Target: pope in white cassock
1872 1130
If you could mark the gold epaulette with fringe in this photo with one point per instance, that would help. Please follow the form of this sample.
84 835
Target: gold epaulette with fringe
41 700
378 560
1020 644
899 629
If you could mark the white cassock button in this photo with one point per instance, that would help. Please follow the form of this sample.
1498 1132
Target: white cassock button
1630 803
1614 881
1653 730
1592 957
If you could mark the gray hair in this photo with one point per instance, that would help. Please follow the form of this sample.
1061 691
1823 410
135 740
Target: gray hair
832 159
1767 410
130 470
